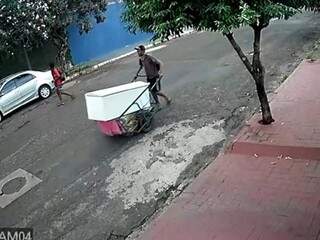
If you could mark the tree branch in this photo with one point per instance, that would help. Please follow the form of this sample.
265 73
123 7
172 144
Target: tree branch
238 49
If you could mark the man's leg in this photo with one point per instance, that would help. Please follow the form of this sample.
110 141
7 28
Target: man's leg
161 94
155 95
153 89
58 91
67 94
168 99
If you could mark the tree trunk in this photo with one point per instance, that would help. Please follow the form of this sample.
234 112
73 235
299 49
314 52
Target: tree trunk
257 72
60 40
259 75
27 58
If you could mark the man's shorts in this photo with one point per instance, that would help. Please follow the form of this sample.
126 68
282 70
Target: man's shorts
154 86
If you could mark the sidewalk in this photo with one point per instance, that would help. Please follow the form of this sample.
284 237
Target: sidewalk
267 186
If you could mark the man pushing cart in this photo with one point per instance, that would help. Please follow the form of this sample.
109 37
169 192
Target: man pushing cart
128 109
152 67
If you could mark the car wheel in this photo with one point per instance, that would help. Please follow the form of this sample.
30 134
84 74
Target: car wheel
44 91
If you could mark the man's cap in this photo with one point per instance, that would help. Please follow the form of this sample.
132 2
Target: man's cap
140 47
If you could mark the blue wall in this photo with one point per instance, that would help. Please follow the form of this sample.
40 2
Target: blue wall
105 40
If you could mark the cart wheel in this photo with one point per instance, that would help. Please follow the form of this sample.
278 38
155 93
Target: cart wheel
147 124
147 127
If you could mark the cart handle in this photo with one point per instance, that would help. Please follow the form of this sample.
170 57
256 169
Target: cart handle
135 77
143 76
135 101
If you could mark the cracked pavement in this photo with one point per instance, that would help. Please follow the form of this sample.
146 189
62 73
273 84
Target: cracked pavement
96 187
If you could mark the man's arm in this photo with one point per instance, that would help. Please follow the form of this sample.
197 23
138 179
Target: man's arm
139 70
158 63
160 67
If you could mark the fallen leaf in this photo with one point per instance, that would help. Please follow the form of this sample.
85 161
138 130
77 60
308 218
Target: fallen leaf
256 155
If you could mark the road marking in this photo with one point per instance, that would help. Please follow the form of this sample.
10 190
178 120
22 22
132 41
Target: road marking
30 182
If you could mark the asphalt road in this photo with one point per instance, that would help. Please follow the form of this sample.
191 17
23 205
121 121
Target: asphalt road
97 187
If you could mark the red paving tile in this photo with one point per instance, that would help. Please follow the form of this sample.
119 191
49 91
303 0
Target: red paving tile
274 195
272 206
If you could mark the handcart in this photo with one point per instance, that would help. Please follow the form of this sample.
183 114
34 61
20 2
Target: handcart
122 110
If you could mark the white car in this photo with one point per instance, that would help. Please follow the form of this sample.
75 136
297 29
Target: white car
18 89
